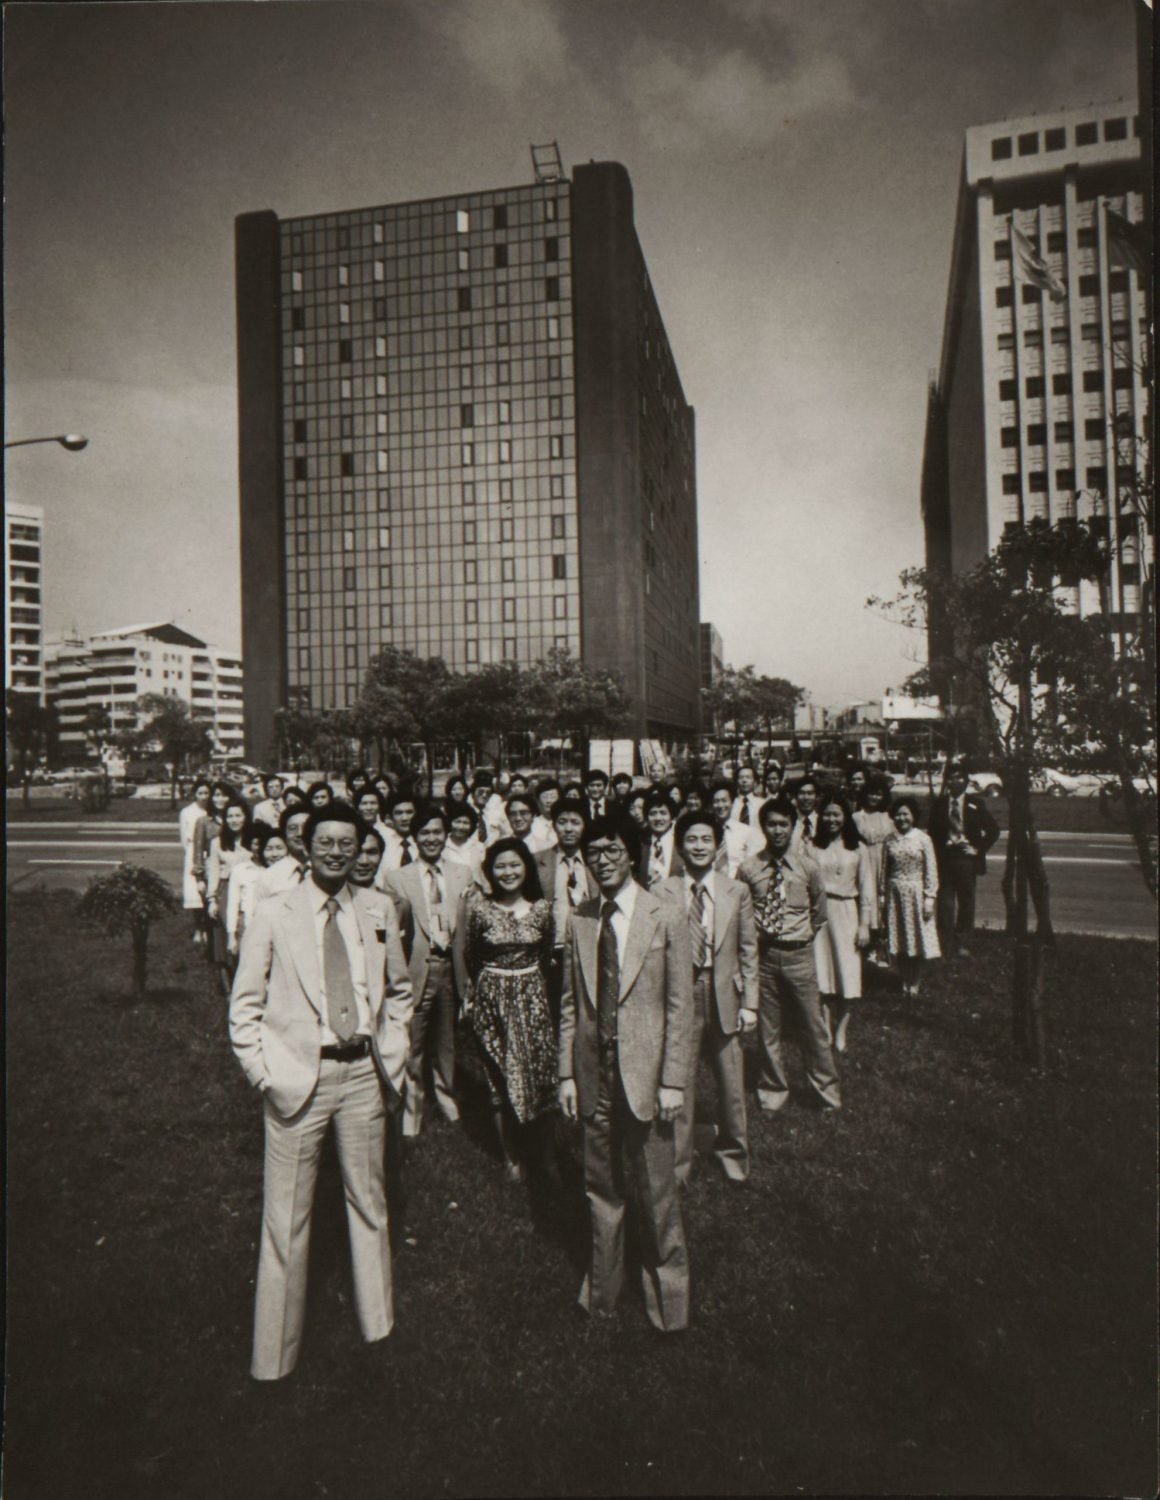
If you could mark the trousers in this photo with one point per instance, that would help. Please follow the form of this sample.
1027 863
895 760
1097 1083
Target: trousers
727 1063
350 1094
432 1029
955 907
623 1157
789 984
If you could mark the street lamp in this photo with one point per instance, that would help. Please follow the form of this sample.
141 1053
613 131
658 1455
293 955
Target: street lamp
70 440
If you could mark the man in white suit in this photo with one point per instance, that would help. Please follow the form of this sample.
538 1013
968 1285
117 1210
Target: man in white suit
625 1035
428 894
318 1020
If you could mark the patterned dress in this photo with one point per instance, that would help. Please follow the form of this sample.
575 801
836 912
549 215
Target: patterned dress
875 828
507 958
910 876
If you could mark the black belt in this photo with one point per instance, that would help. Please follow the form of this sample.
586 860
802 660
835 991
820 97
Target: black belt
787 945
348 1051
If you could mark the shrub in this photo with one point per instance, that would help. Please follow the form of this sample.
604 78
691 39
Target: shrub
128 899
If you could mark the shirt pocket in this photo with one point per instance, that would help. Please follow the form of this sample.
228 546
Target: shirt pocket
797 896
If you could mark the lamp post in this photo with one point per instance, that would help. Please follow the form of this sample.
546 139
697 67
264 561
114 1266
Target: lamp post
70 440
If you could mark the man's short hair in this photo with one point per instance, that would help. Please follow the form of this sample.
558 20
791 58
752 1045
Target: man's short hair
595 774
572 789
699 817
615 826
573 805
525 799
373 833
659 797
462 810
622 778
549 784
480 779
292 810
780 805
426 814
337 812
400 798
273 776
807 781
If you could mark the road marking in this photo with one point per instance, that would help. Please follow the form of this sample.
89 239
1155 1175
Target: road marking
96 844
1079 859
76 861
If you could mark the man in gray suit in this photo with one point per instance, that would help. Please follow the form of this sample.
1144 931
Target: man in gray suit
625 1038
723 940
427 895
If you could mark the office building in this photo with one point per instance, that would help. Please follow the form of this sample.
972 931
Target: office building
110 671
462 433
23 599
1041 403
712 654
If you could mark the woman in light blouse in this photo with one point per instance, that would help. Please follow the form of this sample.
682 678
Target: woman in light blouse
846 867
875 824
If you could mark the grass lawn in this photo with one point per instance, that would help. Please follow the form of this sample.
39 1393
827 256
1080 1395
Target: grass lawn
948 1287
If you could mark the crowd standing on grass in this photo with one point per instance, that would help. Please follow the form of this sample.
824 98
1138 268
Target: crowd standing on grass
588 941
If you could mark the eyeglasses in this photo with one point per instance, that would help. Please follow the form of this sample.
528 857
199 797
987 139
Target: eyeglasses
344 846
611 854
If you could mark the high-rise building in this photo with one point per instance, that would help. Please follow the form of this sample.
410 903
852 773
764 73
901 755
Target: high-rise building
712 654
1041 404
23 598
111 670
462 433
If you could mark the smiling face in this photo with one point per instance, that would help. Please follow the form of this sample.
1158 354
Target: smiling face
274 850
833 818
508 873
461 830
608 861
519 816
660 819
402 816
745 781
235 819
431 838
367 807
219 799
597 788
699 847
903 818
722 802
778 829
366 866
334 848
807 797
569 830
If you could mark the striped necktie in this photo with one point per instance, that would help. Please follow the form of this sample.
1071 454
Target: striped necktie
700 938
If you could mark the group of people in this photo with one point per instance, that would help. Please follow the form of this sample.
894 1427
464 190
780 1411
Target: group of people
595 939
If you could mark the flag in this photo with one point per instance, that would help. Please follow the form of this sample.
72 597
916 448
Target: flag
1030 266
1128 244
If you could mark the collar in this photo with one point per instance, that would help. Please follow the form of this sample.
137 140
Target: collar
706 881
624 900
434 864
319 897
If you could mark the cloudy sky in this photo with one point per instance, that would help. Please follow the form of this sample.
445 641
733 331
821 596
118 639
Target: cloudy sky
795 165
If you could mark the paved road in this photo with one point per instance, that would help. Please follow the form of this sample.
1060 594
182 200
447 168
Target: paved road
1095 885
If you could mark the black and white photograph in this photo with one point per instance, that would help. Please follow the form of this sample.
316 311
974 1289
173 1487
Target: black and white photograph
581 758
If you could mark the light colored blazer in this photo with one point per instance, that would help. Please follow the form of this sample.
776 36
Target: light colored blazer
275 1005
655 1020
408 890
546 861
734 943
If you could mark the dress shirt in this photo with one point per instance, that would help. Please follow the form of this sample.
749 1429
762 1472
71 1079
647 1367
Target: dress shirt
543 834
269 811
625 903
958 839
741 842
848 875
597 807
708 886
806 822
655 871
470 854
755 803
805 894
566 897
494 818
437 921
393 854
349 929
283 875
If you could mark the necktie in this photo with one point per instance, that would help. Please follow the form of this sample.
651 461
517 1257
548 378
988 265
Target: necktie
956 818
697 927
406 859
574 887
435 904
807 836
769 912
657 863
744 810
340 1007
607 979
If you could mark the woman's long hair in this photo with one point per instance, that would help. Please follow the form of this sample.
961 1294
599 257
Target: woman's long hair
531 889
849 833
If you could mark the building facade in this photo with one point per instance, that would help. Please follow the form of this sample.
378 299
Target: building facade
1041 403
97 680
23 598
712 654
462 433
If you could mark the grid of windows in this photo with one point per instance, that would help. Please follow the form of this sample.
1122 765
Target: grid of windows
389 316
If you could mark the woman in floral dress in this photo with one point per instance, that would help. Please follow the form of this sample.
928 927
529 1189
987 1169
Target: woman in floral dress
908 891
503 949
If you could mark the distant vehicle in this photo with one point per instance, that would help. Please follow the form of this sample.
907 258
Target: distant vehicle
141 771
870 749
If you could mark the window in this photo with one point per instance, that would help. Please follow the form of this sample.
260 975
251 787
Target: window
385 614
501 294
384 536
467 415
509 648
344 312
465 337
295 281
1086 134
1117 281
501 333
509 609
380 422
552 249
1093 429
507 569
550 210
1085 238
297 319
1035 385
558 528
464 259
462 221
464 296
301 469
380 309
1002 249
559 566
505 490
465 377
557 486
472 650
299 356
1011 484
1121 379
346 465
380 269
556 446
1008 389
380 385
501 257
1059 335
1096 477
1089 286
1093 380
1001 148
1029 143
1056 242
468 455
552 288
469 571
1064 432
471 611
345 351
469 533
1061 385
507 530
560 607
503 374
553 327
1004 296
349 578
1031 294
499 216
344 275
348 541
505 411
1065 479
505 450
1009 437
469 494
300 429
1037 434
1054 140
380 346
349 617
1116 130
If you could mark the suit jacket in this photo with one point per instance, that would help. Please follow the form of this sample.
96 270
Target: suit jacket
734 943
276 1001
676 865
655 1019
979 828
407 887
546 861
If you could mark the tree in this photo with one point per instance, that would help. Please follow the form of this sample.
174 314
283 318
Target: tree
173 731
28 726
404 700
741 703
1015 662
128 899
568 699
295 737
